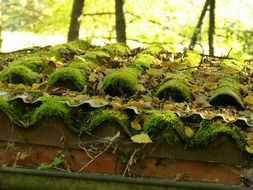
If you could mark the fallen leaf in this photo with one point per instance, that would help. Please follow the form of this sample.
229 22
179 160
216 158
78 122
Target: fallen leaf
135 124
249 149
188 132
248 100
141 138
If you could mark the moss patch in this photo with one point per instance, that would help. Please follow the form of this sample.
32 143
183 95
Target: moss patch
122 82
96 56
227 93
143 61
19 74
68 77
175 89
98 117
115 49
167 123
37 64
208 131
154 50
51 107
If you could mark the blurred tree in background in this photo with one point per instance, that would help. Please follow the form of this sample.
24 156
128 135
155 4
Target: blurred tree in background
167 22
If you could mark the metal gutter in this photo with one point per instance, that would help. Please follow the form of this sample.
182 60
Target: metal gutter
30 179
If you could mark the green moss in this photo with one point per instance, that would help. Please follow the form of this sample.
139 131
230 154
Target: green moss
95 56
78 45
115 49
227 93
100 116
166 122
19 74
51 107
192 58
208 131
81 63
176 89
143 61
36 64
69 77
154 50
122 82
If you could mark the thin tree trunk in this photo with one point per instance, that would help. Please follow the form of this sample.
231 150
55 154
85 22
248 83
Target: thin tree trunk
120 21
75 21
198 27
211 27
1 24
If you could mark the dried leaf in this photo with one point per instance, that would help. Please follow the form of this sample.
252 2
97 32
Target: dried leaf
249 149
141 138
188 132
135 124
248 100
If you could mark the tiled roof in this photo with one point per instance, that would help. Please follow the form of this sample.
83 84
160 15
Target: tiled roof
176 97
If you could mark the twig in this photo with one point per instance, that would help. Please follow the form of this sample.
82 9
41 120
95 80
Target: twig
111 140
229 52
130 161
99 14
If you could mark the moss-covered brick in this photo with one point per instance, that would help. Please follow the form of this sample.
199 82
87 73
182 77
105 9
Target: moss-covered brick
209 130
154 50
115 49
52 107
175 89
100 116
78 45
69 77
122 82
80 63
167 123
227 93
141 61
19 74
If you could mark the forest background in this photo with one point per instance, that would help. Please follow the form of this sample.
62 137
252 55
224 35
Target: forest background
171 23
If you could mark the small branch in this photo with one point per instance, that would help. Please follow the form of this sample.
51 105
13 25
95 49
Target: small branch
111 140
99 14
131 159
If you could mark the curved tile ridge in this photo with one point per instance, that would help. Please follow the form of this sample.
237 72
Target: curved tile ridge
70 77
209 130
227 93
98 117
175 89
122 82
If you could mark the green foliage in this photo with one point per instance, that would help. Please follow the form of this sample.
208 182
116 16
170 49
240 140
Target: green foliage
55 163
122 82
66 76
154 50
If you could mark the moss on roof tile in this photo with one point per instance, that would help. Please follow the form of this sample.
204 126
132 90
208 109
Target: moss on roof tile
167 123
100 116
122 82
208 131
69 77
19 74
227 93
175 89
143 61
115 49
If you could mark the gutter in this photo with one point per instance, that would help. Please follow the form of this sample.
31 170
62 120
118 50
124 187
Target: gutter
30 179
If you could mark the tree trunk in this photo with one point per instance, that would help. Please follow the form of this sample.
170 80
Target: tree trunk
211 27
75 21
1 24
198 27
120 21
